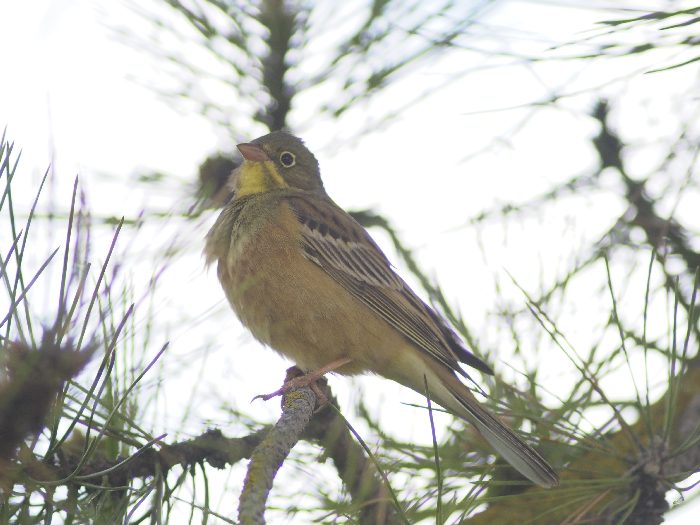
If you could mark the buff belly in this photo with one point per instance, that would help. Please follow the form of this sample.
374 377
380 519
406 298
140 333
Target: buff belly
292 305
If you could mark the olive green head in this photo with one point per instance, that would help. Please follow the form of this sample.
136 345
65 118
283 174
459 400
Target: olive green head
277 160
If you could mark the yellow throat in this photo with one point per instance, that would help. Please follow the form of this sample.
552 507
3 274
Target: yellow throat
258 177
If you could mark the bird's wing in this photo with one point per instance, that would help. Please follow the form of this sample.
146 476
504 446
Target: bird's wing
344 250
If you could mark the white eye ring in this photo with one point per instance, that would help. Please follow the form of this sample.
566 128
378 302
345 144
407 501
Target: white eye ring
288 159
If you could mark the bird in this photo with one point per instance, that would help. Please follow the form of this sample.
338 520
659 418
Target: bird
307 280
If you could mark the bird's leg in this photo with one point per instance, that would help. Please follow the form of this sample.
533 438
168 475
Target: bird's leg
308 379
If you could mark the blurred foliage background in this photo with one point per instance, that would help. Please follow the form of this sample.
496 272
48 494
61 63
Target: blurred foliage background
125 380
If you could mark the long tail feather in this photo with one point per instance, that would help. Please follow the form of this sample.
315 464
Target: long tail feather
454 396
514 450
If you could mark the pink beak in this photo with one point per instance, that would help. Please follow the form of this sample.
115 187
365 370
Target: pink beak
252 152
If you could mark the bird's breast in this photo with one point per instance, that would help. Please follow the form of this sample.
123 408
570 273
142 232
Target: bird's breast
292 305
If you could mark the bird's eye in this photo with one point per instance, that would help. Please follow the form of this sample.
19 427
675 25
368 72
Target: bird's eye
287 159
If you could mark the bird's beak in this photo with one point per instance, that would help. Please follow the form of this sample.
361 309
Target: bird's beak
252 152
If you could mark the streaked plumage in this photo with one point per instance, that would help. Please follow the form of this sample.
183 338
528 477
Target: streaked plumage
308 280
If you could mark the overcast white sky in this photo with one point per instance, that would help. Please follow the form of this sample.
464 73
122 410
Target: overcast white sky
67 98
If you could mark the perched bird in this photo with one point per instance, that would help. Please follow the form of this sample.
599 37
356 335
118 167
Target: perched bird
307 280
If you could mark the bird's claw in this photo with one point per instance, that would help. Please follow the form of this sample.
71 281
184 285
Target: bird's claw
308 380
297 379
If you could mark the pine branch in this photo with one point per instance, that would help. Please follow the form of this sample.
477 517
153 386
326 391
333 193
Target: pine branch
609 478
297 409
33 379
325 428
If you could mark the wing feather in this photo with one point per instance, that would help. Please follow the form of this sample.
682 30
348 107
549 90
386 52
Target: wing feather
342 248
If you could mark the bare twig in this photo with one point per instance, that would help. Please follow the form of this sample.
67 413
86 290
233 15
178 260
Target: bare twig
297 408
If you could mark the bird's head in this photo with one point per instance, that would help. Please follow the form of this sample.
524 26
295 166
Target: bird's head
277 160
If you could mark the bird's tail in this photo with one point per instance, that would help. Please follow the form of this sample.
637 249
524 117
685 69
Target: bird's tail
452 395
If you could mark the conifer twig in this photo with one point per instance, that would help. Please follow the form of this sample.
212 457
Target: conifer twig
297 408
